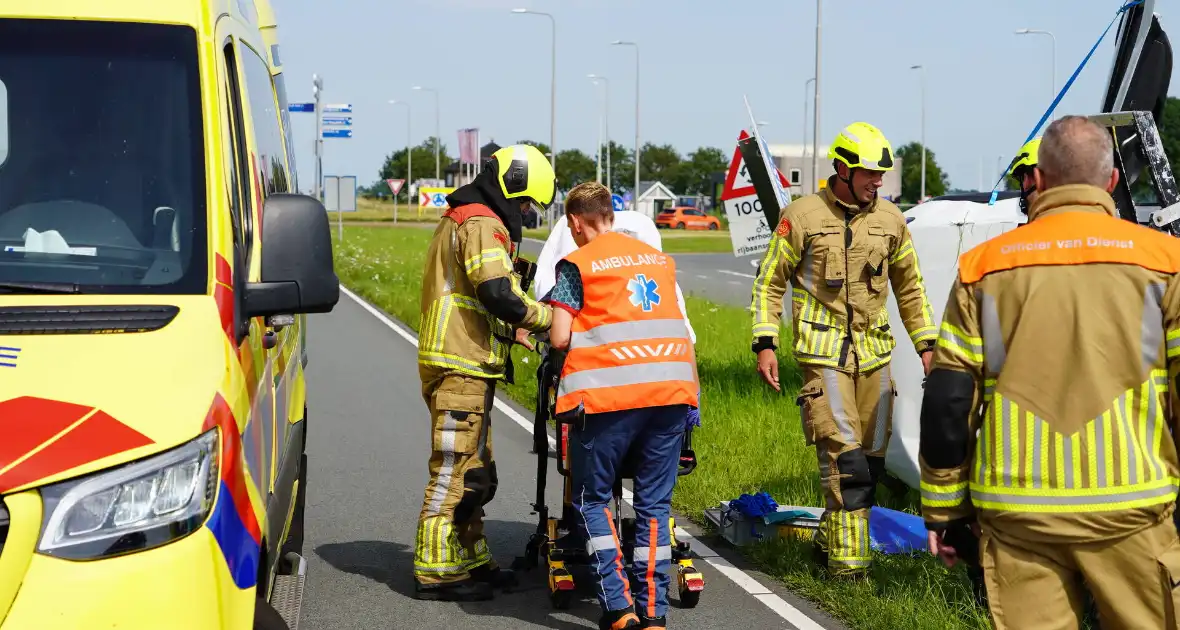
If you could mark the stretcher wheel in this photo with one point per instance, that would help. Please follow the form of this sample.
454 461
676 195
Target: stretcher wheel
689 599
689 583
561 600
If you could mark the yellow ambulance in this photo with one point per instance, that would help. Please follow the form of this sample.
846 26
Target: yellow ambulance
155 274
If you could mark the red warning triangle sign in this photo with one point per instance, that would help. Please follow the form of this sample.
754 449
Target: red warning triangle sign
737 180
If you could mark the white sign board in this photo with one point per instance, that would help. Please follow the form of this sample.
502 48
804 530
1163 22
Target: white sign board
748 231
332 193
340 193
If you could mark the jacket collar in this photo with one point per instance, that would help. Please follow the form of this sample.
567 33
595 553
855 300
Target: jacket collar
1072 198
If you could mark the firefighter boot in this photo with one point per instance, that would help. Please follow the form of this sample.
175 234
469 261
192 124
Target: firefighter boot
503 579
619 620
467 590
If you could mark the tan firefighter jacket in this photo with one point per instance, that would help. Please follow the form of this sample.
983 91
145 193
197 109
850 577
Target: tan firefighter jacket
840 259
465 328
1061 345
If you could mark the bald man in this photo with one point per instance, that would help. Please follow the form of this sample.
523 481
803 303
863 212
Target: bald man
1060 345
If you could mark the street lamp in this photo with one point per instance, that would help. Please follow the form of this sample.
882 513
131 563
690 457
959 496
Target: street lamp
1053 58
409 159
635 194
606 121
437 135
922 194
552 88
803 153
819 5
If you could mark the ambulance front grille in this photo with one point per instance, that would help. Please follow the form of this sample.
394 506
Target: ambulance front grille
73 320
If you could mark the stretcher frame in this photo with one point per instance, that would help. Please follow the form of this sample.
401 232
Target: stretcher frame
546 544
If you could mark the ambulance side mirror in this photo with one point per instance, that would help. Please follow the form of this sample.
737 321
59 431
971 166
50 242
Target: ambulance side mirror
298 274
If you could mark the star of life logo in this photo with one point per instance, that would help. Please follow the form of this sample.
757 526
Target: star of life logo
645 293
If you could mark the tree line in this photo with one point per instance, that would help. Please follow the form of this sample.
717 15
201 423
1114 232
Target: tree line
691 174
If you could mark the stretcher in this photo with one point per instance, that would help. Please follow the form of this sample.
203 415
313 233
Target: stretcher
559 541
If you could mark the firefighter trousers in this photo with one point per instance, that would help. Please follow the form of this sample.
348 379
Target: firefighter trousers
450 540
1134 580
849 420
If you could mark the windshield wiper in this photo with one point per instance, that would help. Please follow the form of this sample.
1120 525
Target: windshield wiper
39 287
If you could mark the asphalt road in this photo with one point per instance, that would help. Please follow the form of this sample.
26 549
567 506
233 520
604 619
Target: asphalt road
722 278
367 469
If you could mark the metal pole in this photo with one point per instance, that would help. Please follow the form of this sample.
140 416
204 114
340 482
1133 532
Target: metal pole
819 6
635 193
406 185
803 144
317 86
922 193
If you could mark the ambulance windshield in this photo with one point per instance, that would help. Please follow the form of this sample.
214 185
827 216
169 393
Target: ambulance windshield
101 157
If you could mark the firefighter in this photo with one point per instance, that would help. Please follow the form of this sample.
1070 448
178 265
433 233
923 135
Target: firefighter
840 248
628 381
473 310
1060 345
1021 170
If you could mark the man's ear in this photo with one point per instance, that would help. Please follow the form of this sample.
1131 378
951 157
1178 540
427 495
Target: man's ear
1114 180
1039 178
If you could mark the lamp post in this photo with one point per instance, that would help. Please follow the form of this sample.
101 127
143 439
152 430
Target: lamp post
803 144
1053 57
437 135
606 121
635 194
922 194
819 5
409 160
552 87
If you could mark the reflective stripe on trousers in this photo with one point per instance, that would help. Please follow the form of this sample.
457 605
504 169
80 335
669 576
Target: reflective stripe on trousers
597 449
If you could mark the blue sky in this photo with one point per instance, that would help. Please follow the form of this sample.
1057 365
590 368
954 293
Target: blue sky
986 86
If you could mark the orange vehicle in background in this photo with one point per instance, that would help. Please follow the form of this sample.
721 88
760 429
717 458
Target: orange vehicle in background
687 218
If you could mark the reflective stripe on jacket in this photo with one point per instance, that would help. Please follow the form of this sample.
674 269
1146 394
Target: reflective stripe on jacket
456 332
840 260
1069 328
629 346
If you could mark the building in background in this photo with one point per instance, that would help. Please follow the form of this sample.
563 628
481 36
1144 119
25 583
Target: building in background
795 163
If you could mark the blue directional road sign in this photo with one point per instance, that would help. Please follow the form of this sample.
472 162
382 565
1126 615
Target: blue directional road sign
339 109
338 120
617 202
301 107
337 133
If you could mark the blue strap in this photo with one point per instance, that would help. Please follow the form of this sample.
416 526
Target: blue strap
1064 89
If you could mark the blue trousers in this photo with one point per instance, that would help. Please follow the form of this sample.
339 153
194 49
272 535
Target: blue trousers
653 436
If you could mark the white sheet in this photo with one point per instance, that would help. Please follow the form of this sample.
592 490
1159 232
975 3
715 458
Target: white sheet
942 231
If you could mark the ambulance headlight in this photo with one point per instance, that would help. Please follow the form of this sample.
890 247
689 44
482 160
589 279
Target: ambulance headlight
134 507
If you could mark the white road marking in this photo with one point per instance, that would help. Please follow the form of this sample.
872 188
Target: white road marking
702 277
744 580
737 282
737 273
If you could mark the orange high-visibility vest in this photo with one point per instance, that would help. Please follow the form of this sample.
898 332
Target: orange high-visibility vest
629 346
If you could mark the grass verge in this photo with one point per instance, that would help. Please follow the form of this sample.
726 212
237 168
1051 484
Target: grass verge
750 440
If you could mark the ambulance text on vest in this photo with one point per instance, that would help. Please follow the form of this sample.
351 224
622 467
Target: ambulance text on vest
628 261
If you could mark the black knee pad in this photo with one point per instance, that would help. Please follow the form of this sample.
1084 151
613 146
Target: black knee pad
857 488
493 483
876 476
476 484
